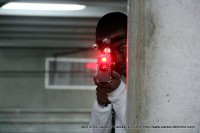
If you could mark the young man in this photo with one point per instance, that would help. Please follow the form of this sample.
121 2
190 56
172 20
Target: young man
111 97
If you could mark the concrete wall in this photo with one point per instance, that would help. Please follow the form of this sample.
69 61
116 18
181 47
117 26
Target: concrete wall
164 74
25 104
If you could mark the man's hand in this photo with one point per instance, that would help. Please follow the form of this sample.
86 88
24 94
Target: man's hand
104 88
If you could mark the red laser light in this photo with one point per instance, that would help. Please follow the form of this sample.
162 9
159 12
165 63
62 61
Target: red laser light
104 59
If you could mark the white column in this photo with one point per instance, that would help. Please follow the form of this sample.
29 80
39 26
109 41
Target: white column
164 65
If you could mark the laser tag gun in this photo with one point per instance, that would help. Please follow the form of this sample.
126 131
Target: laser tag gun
104 66
104 63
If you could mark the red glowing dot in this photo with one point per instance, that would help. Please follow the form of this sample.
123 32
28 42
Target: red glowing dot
91 66
104 59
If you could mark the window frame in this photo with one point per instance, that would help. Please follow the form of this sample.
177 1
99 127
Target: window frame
66 87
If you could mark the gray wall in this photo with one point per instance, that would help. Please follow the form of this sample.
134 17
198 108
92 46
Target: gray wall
26 39
163 85
26 105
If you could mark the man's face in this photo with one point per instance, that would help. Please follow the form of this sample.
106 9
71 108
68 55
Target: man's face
118 49
119 52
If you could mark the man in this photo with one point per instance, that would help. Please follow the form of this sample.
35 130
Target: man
112 95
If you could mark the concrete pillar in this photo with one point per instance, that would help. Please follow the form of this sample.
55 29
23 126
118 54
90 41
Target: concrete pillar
164 66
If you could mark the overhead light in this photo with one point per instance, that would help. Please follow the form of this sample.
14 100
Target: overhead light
42 6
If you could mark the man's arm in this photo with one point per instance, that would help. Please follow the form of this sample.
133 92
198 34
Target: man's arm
101 116
118 100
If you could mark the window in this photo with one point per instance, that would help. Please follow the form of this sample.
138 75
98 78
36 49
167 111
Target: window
69 73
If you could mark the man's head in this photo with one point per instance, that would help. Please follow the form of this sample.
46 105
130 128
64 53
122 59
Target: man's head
113 27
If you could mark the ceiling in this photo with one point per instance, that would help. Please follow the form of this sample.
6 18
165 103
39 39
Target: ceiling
67 29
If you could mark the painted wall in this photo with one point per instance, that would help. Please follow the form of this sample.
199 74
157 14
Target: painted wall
164 74
25 104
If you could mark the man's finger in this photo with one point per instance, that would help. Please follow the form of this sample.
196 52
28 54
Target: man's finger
113 85
115 75
96 81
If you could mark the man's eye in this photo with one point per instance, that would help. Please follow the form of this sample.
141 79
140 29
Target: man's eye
122 49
